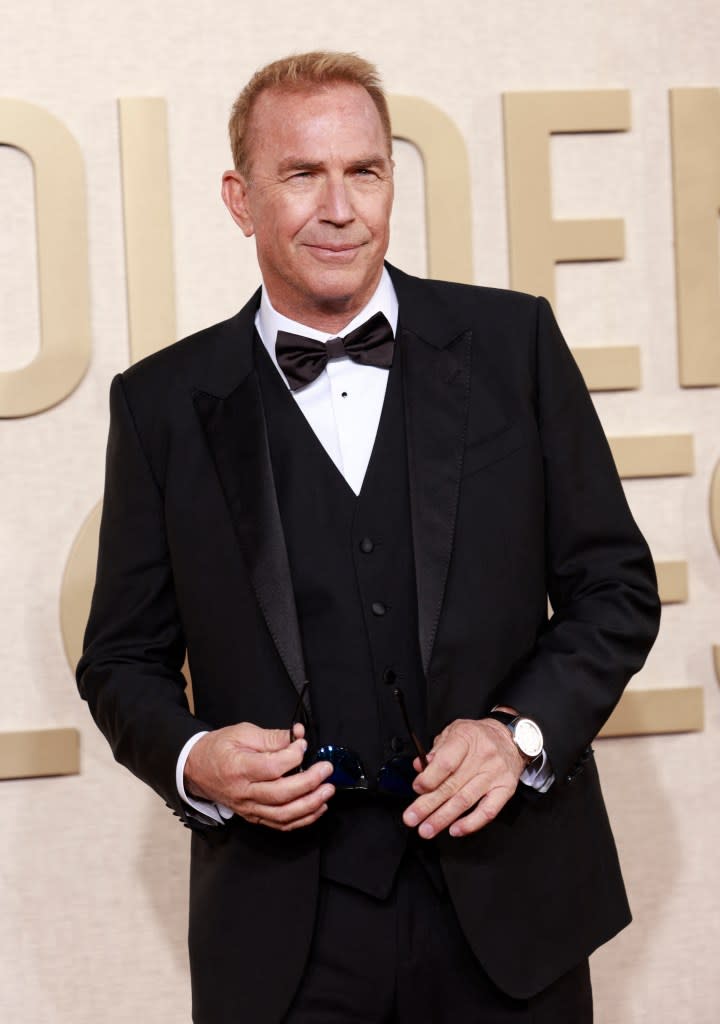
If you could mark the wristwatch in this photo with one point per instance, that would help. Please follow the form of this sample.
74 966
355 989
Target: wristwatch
527 735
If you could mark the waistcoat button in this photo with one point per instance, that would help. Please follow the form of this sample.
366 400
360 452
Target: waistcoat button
366 545
378 608
389 676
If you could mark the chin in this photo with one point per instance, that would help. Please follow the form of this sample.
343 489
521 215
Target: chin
340 291
338 301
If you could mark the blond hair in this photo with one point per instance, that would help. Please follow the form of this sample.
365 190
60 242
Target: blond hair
299 72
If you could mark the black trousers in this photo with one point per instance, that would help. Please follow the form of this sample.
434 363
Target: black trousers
404 960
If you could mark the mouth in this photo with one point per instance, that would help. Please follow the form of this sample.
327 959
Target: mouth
334 252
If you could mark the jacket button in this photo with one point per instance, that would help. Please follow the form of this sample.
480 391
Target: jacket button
366 545
389 676
397 745
378 608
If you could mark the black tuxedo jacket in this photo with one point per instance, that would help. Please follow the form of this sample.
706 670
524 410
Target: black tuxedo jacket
514 499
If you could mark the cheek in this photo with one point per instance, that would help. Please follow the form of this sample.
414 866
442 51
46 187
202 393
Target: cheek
276 221
378 218
294 213
381 233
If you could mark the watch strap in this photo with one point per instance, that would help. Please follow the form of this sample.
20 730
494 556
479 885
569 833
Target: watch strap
509 720
502 716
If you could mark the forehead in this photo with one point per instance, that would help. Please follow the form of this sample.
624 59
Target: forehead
315 122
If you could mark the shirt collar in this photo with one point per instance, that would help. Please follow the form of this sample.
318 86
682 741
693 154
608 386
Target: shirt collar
268 321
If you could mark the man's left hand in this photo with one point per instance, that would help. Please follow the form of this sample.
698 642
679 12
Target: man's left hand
474 766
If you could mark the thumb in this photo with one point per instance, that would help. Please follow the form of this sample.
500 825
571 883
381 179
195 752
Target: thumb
252 737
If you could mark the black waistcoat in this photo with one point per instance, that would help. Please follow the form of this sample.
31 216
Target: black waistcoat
353 577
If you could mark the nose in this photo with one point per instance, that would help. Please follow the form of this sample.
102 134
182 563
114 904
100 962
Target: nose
337 206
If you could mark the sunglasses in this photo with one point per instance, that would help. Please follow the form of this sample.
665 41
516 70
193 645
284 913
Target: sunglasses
394 778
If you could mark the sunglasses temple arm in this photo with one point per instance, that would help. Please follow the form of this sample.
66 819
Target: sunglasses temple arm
420 750
298 709
400 698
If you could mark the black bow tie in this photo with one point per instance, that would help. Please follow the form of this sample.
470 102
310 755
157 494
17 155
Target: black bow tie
303 359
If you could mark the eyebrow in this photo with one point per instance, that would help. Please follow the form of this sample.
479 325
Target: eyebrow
294 163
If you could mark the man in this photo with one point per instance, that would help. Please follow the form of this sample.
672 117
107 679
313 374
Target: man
355 542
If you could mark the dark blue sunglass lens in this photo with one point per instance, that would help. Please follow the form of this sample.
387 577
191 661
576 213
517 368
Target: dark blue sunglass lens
397 776
347 768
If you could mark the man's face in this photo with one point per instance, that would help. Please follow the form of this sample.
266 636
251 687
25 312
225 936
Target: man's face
317 199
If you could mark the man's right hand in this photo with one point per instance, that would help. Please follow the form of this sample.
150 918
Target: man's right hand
244 767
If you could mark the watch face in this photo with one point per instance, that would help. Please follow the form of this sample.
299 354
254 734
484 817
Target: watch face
528 737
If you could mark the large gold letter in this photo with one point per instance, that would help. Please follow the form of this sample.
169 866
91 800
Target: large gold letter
647 712
447 184
536 240
715 525
148 225
62 256
151 310
695 123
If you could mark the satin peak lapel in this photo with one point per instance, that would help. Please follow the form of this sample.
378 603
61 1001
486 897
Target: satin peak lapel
437 389
237 437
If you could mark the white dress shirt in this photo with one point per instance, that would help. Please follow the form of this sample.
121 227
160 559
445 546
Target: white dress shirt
343 406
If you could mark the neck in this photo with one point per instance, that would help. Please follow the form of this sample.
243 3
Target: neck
330 317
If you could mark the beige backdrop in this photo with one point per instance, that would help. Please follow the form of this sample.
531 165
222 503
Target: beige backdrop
93 869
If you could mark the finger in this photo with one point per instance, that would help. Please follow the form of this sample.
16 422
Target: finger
485 812
425 805
284 790
459 804
446 759
296 810
263 766
256 738
417 763
302 823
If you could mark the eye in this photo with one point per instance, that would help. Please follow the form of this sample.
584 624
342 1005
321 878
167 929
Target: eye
365 174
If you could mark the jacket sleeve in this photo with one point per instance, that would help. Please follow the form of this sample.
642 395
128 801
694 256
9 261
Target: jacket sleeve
130 672
599 572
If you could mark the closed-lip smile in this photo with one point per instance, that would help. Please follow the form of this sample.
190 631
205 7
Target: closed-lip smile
334 246
334 250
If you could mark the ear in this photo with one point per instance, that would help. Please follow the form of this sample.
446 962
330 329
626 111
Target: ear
235 196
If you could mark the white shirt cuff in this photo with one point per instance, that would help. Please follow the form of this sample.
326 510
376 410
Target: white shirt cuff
539 777
218 812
